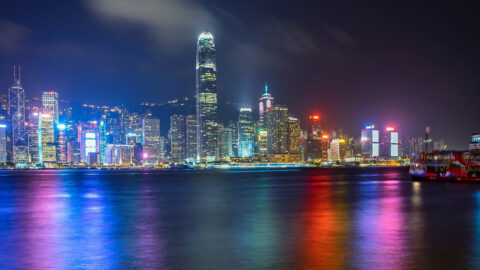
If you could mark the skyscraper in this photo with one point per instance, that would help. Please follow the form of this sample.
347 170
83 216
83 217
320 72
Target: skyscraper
50 104
151 139
102 133
293 143
16 100
370 142
46 139
265 103
191 138
177 127
206 95
226 143
3 142
246 133
389 147
277 129
88 138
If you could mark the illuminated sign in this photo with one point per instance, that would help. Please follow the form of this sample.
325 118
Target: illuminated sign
390 128
325 136
90 135
394 150
61 126
374 149
375 136
370 127
394 137
3 126
315 117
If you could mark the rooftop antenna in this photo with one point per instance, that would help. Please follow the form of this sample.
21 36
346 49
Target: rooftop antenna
14 73
266 88
19 73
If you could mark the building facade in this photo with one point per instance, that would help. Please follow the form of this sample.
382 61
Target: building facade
151 139
177 128
191 138
50 104
246 133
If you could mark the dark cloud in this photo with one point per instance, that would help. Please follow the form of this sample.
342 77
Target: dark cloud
13 36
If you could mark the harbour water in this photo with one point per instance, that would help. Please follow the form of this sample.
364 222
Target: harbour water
333 218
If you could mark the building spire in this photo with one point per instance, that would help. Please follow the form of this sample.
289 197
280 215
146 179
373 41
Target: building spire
19 73
266 88
14 73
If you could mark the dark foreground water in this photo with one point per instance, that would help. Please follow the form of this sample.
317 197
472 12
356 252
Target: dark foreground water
370 218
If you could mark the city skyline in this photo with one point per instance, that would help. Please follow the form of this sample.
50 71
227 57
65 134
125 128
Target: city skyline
335 63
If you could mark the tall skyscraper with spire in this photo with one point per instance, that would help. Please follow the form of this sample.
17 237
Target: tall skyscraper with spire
206 95
16 101
265 103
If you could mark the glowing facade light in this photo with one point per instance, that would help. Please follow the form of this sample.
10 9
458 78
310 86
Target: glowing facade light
390 128
325 136
315 117
3 126
61 126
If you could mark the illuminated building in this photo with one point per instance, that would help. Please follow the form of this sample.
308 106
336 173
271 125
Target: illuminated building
226 143
246 133
265 103
370 142
206 95
33 133
46 139
325 144
234 127
293 144
262 142
151 139
61 143
116 154
16 101
102 133
3 142
132 138
177 128
50 104
88 138
337 150
389 147
277 130
191 138
314 146
475 142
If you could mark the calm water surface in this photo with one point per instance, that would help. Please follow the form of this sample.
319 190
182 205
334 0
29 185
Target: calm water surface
356 218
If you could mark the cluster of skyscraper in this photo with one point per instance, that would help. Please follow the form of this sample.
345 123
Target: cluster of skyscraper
41 132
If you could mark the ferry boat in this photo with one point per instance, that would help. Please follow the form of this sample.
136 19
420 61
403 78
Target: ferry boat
446 166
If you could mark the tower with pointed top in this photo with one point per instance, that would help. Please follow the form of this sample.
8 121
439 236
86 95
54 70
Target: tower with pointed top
16 101
265 103
206 98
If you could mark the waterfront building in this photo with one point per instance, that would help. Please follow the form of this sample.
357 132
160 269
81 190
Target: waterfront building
119 154
262 140
50 104
33 135
337 150
88 138
151 139
16 101
475 142
226 143
191 138
206 98
246 133
390 143
277 129
265 103
293 143
3 142
370 142
102 133
46 139
61 143
234 127
177 128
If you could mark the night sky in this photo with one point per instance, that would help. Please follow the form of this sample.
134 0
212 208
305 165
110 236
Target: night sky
355 62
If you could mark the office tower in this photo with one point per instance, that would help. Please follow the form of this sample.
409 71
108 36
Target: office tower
475 142
16 101
277 129
116 154
132 138
177 127
3 142
191 138
293 143
46 139
151 139
88 138
234 127
61 143
262 145
226 143
50 104
370 142
246 133
102 133
265 103
33 135
206 95
337 150
163 147
389 147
